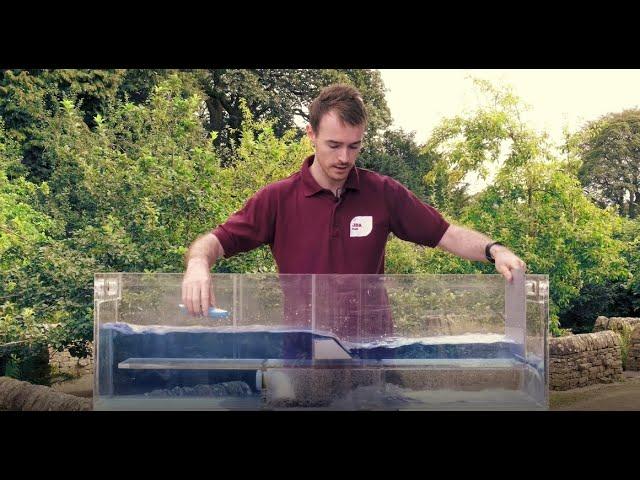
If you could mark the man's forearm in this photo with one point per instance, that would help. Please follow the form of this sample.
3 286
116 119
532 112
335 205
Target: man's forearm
466 243
206 248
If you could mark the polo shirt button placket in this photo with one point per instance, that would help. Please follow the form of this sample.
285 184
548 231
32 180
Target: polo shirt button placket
335 230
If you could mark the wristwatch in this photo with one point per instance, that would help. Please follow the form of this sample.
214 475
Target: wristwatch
487 251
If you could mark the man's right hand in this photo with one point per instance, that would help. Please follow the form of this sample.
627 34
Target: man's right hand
197 287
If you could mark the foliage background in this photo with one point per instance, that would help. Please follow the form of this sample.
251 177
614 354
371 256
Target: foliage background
120 170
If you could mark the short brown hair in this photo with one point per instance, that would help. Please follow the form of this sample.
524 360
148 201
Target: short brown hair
345 100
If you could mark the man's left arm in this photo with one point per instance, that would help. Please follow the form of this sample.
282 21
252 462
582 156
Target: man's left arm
469 244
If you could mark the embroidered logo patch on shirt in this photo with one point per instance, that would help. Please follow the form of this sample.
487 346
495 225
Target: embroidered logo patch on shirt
361 226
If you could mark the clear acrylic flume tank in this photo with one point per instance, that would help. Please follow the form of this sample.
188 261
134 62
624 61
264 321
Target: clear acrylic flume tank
328 342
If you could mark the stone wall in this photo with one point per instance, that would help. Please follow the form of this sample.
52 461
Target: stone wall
615 323
633 356
585 359
626 327
64 363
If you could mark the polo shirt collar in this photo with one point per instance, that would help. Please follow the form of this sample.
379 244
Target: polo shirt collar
311 187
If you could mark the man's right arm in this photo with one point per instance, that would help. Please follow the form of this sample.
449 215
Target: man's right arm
248 228
197 285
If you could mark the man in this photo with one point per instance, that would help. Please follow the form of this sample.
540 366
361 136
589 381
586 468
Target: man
332 217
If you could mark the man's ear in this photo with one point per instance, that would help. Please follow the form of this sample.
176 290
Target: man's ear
311 134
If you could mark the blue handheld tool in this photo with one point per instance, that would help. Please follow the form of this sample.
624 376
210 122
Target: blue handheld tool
213 312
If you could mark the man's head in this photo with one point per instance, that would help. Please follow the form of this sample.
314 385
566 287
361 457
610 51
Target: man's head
337 122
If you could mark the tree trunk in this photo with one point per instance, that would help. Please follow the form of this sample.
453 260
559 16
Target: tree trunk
215 114
633 204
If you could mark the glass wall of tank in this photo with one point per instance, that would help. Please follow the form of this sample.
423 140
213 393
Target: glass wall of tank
336 342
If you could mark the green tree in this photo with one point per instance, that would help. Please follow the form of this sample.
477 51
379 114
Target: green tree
282 94
610 151
542 214
129 195
534 204
25 237
477 144
395 153
29 98
631 238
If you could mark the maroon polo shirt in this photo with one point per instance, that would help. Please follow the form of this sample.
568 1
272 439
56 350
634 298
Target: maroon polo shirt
310 230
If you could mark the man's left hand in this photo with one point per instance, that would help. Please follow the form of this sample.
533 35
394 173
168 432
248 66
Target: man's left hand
506 261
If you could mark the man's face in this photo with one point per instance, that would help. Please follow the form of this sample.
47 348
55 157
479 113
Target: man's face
337 146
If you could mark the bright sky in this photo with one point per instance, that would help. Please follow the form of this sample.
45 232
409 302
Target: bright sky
420 99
